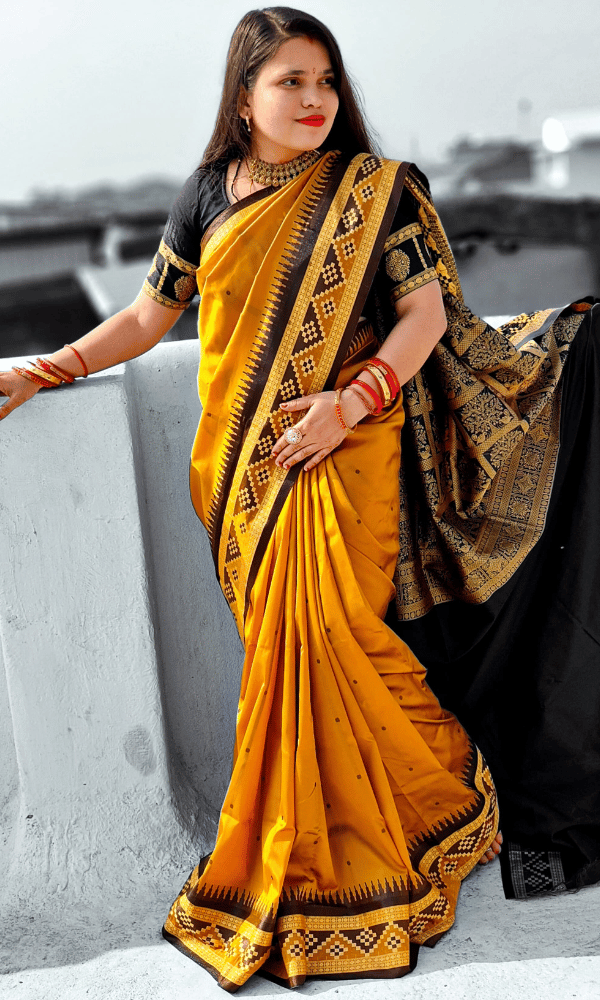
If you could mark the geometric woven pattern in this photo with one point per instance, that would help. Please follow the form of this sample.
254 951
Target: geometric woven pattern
306 346
480 442
373 931
533 873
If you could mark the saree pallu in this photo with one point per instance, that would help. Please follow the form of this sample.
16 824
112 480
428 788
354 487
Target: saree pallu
356 804
496 582
521 668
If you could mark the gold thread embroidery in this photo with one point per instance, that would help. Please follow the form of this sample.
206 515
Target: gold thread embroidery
163 273
162 299
171 258
397 265
418 249
394 239
185 288
415 281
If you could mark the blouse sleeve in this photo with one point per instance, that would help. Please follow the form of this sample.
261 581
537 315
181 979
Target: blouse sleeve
171 280
406 264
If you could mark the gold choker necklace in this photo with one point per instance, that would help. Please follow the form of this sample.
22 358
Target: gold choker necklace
278 174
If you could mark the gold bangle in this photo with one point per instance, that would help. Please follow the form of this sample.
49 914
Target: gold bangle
42 374
376 373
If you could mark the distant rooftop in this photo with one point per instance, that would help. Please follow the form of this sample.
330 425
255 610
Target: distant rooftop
148 196
571 128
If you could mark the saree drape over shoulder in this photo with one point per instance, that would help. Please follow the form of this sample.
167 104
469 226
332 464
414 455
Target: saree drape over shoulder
356 804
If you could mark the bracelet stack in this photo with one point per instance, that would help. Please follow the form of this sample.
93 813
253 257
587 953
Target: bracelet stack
388 386
48 375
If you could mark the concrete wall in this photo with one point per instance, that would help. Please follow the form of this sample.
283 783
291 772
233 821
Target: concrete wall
121 659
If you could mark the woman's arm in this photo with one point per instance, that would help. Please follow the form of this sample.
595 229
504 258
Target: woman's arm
421 323
127 334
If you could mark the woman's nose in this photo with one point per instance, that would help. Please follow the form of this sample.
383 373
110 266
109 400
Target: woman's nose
312 98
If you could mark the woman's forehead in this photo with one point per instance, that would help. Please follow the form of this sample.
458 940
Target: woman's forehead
300 55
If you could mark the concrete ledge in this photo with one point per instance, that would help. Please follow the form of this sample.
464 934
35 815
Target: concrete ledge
121 663
117 710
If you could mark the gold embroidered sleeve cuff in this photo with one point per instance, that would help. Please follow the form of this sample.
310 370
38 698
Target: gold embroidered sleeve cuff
407 263
171 280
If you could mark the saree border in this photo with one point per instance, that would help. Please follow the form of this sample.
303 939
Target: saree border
232 210
369 930
355 206
277 313
339 337
334 370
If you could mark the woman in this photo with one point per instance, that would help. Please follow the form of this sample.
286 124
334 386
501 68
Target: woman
356 804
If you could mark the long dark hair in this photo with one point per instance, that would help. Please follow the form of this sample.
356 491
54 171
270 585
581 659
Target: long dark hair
256 39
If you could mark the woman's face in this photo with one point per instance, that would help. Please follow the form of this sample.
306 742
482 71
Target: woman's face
293 102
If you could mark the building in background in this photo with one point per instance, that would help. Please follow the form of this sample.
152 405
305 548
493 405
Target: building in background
563 162
67 262
523 219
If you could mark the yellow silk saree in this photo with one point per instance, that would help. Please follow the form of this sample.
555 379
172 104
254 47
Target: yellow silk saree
356 804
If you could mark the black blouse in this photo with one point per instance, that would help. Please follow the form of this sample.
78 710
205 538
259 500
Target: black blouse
405 264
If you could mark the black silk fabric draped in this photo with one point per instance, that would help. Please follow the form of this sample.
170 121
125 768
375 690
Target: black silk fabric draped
522 671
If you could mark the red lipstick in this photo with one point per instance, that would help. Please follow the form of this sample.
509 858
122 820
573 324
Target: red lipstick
315 120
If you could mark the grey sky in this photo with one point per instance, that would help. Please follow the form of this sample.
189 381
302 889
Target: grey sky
119 89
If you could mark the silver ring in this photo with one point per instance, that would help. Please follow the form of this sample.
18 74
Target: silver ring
293 435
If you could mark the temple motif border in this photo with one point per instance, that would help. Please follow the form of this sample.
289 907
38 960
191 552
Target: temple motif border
371 931
324 276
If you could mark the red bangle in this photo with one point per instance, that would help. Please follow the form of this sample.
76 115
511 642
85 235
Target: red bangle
374 396
53 369
370 408
392 380
338 412
78 355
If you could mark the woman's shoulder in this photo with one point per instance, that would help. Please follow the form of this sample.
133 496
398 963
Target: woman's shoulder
204 182
414 172
201 198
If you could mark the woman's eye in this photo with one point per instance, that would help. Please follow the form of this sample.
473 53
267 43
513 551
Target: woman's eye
288 83
329 82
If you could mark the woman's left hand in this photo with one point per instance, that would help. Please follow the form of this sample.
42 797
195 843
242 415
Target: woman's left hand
320 428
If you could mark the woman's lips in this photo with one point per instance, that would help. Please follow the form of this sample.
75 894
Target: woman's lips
315 120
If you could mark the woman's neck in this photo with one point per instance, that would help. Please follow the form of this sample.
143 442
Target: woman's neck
271 152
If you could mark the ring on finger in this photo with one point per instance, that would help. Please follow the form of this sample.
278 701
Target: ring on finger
293 435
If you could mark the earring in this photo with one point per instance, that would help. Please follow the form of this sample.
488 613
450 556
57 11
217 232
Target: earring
247 120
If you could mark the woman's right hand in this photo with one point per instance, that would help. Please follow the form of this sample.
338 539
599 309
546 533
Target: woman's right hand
18 389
